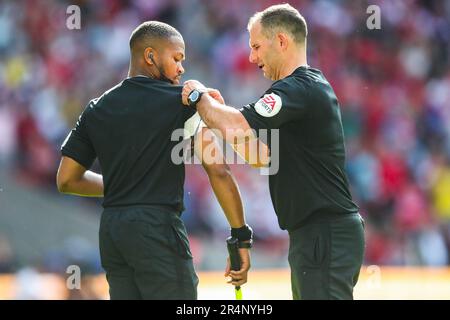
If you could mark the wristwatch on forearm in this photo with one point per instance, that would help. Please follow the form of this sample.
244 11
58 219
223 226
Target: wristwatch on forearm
244 235
194 97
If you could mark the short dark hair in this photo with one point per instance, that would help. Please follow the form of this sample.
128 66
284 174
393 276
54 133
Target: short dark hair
281 17
153 30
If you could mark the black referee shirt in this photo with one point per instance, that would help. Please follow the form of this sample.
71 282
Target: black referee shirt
311 180
129 129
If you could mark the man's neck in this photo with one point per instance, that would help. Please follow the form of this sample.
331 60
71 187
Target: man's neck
291 65
136 74
135 71
294 59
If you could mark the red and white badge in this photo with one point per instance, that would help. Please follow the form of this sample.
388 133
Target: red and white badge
269 105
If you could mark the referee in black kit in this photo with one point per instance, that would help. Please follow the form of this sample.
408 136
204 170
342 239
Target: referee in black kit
310 191
143 242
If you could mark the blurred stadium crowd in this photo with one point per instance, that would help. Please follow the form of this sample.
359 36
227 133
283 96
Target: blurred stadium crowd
393 85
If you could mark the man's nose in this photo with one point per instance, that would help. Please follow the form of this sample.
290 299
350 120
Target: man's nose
180 70
252 57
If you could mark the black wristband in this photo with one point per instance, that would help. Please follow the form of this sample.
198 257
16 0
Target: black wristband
243 233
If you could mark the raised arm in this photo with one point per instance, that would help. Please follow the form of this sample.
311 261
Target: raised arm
229 121
230 124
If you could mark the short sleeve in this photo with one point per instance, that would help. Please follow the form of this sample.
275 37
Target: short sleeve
78 145
188 112
193 125
282 103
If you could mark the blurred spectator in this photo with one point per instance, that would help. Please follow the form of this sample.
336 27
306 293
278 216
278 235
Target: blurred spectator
7 263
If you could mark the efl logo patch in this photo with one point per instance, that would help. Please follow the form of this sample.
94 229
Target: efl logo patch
269 105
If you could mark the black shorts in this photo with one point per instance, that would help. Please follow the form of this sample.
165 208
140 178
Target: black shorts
325 258
145 253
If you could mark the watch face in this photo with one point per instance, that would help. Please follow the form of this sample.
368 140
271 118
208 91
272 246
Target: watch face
194 96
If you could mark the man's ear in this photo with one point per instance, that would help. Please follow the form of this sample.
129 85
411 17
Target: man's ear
148 55
282 40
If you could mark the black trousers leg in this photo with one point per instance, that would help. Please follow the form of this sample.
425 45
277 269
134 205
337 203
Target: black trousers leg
325 258
145 253
119 274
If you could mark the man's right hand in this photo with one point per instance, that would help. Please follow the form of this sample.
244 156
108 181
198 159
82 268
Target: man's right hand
190 85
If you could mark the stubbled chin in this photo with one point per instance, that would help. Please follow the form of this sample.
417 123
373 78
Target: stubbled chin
176 81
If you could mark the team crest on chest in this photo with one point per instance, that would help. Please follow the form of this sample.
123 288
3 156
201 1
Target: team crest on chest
269 105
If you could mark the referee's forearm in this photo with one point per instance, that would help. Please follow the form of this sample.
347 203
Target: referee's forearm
229 121
89 185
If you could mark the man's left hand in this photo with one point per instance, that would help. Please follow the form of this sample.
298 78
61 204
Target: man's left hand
238 278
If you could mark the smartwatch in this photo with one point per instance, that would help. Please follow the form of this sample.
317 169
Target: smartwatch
194 97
